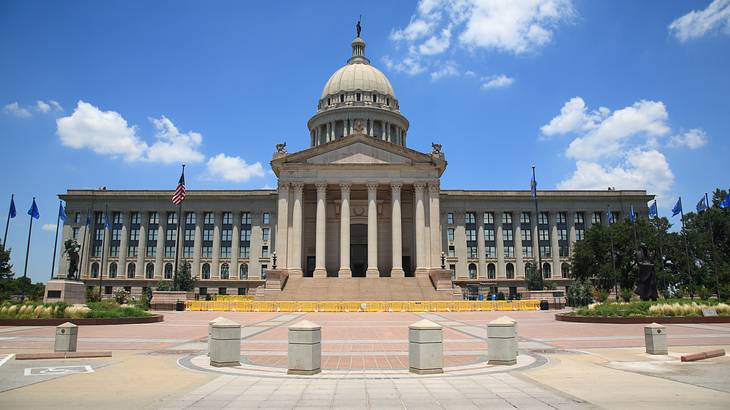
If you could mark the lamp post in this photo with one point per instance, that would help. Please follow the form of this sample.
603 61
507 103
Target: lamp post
273 260
443 260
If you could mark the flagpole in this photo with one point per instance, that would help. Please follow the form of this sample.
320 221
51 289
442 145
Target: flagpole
714 250
7 223
55 241
103 244
83 245
27 251
686 250
539 250
177 235
613 258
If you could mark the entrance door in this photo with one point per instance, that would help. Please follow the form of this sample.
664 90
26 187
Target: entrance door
358 250
309 270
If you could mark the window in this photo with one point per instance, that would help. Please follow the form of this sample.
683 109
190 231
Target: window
265 233
227 235
546 273
107 290
203 290
543 218
171 234
525 218
225 251
168 271
99 235
227 218
207 234
579 234
527 251
75 233
507 234
510 268
134 234
596 218
243 271
561 218
154 218
357 96
95 270
205 273
190 218
114 251
241 291
544 250
222 291
472 271
264 251
452 251
169 251
578 218
206 251
507 218
132 250
97 251
134 218
149 271
152 235
171 218
77 217
491 271
489 234
245 234
450 218
188 251
452 268
266 218
615 216
116 234
544 234
245 218
470 218
113 270
128 289
190 234
152 251
245 252
99 218
488 218
450 234
472 252
209 218
263 271
509 251
565 270
130 270
490 251
526 235
117 218
471 234
562 234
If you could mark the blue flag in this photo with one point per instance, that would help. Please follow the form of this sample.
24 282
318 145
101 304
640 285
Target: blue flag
106 220
632 214
608 214
61 212
88 218
653 211
33 211
725 203
677 207
702 205
12 208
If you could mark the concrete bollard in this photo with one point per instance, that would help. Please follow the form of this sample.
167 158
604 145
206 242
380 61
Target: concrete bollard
502 341
210 331
66 337
305 348
655 339
225 343
425 348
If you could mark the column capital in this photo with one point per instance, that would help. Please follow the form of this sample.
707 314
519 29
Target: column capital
283 186
345 187
434 186
321 187
372 187
419 185
395 187
298 187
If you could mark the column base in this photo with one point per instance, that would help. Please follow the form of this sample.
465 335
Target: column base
320 273
421 271
295 272
397 273
344 272
372 273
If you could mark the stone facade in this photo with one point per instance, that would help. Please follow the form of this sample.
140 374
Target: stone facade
358 203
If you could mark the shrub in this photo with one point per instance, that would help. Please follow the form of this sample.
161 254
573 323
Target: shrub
76 312
121 296
626 294
704 293
602 295
92 295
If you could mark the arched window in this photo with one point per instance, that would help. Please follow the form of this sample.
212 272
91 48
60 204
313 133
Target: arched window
95 270
130 270
491 271
112 270
224 271
205 271
510 271
243 271
546 271
565 270
168 271
149 271
472 271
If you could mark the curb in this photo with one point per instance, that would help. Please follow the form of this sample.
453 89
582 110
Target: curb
562 317
85 321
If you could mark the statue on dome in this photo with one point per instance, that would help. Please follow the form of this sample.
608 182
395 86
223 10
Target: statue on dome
435 148
358 27
281 148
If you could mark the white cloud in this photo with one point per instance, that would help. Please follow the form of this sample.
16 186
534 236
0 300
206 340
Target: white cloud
692 139
15 109
56 106
233 169
574 117
42 106
104 132
448 70
107 133
172 146
49 227
408 65
697 23
436 44
496 81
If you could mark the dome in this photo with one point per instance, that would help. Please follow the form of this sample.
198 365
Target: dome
358 76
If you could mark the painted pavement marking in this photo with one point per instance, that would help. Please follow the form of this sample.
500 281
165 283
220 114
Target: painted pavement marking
57 370
4 358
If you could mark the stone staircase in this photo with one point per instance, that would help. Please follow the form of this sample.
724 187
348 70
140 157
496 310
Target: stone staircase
358 289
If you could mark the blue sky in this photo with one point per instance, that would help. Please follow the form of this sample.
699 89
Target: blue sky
595 94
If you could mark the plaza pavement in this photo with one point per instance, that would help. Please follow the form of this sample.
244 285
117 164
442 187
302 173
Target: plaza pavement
562 365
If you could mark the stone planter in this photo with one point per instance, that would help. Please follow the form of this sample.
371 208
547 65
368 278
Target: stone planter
166 299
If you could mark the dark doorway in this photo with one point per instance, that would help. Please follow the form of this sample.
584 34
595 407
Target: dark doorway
309 269
358 250
407 266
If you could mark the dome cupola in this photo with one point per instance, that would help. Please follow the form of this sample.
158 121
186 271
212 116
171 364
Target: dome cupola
357 92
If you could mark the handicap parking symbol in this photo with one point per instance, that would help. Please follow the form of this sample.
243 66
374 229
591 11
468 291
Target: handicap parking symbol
57 370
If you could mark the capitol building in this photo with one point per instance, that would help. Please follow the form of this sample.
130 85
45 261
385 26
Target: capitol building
357 210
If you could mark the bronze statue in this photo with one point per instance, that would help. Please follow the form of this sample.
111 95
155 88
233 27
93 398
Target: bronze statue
71 248
435 148
646 281
358 27
281 148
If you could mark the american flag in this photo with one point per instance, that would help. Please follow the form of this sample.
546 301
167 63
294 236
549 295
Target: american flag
179 194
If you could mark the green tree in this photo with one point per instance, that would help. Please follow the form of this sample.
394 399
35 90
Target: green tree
184 280
532 277
6 269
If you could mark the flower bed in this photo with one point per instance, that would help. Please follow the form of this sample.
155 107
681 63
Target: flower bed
60 310
665 311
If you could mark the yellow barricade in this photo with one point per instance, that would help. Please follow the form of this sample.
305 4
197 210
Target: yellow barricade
236 305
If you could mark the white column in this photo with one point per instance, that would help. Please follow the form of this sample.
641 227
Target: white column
435 224
482 272
295 265
235 242
397 243
372 231
123 244
345 231
520 268
141 248
215 270
160 249
282 225
571 231
499 238
198 244
420 229
319 264
555 247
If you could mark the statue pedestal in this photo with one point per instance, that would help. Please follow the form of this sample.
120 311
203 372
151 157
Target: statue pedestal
64 290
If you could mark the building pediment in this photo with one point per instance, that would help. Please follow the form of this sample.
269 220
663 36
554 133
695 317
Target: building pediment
358 153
